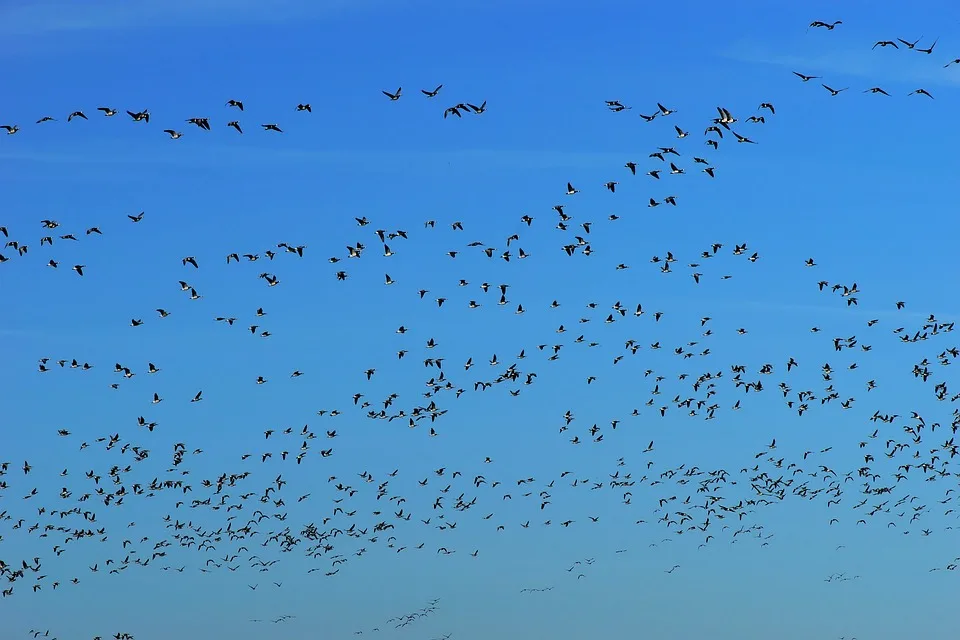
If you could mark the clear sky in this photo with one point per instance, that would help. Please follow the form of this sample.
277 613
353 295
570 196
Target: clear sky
768 539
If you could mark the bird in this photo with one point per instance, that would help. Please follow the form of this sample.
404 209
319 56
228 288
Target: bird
663 111
829 26
929 49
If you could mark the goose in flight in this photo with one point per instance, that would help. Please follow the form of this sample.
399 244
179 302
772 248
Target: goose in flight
829 26
928 50
393 96
664 111
430 94
454 110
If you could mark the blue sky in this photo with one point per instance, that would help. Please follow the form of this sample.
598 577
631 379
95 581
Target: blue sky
860 183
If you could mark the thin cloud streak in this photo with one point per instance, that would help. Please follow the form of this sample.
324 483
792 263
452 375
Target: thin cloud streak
842 308
906 67
384 160
18 333
42 17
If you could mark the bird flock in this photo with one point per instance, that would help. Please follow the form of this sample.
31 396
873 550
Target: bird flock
242 518
203 123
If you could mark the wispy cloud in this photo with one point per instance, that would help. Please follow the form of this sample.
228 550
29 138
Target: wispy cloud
856 310
908 67
42 17
400 160
17 333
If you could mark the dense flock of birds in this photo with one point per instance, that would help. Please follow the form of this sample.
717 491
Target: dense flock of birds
236 519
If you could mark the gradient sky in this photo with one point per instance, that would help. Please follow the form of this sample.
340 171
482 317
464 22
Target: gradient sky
861 183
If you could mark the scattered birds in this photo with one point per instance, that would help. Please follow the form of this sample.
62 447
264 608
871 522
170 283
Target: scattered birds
235 519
